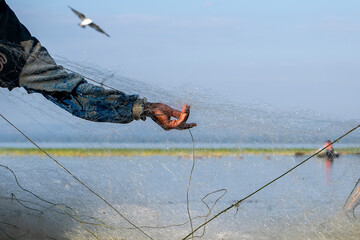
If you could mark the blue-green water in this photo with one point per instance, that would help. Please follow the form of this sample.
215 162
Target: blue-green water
151 191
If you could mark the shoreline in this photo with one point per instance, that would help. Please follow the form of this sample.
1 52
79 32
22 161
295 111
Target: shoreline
177 152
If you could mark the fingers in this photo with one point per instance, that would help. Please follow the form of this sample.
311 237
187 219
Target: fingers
182 126
186 109
176 113
180 123
182 118
162 113
184 115
186 126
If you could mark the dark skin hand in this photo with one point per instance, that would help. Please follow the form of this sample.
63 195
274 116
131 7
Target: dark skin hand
162 113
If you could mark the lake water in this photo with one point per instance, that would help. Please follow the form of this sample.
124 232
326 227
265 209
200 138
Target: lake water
151 193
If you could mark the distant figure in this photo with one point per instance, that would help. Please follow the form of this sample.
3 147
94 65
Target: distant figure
329 151
25 63
87 22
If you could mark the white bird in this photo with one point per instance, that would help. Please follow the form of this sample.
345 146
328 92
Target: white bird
87 22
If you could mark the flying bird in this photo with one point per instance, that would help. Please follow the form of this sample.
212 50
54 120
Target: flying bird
87 22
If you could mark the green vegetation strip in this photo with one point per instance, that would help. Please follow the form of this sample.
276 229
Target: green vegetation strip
180 152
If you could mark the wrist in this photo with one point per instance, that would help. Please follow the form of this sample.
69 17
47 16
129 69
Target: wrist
138 109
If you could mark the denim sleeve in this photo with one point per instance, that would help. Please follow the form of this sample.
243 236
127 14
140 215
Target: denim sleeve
71 92
98 104
37 72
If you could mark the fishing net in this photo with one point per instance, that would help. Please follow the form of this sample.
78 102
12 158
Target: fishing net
136 181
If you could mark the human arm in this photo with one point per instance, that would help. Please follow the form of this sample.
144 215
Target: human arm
26 63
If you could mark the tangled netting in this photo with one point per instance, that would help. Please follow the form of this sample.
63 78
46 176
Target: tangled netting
166 195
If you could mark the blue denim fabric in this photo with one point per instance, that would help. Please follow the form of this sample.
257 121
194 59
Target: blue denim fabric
95 103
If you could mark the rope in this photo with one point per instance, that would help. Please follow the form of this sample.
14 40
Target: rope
188 187
269 183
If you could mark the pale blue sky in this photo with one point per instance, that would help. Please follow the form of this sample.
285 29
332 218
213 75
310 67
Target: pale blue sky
289 54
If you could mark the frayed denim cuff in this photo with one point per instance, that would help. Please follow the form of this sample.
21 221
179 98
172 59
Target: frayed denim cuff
138 109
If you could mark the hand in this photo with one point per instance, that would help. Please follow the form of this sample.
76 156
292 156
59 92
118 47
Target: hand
162 113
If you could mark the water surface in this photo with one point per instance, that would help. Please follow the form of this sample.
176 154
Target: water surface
151 192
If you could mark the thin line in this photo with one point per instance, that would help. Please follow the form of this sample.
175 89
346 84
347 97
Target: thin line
352 190
14 197
188 187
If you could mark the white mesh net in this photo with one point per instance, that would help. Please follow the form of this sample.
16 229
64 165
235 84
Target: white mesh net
143 172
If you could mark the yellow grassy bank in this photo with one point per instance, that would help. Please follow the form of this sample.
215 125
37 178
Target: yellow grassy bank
180 152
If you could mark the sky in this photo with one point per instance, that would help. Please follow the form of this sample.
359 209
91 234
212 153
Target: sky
283 53
286 54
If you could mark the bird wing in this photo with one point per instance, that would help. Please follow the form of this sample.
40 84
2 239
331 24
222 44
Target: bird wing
97 28
79 14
